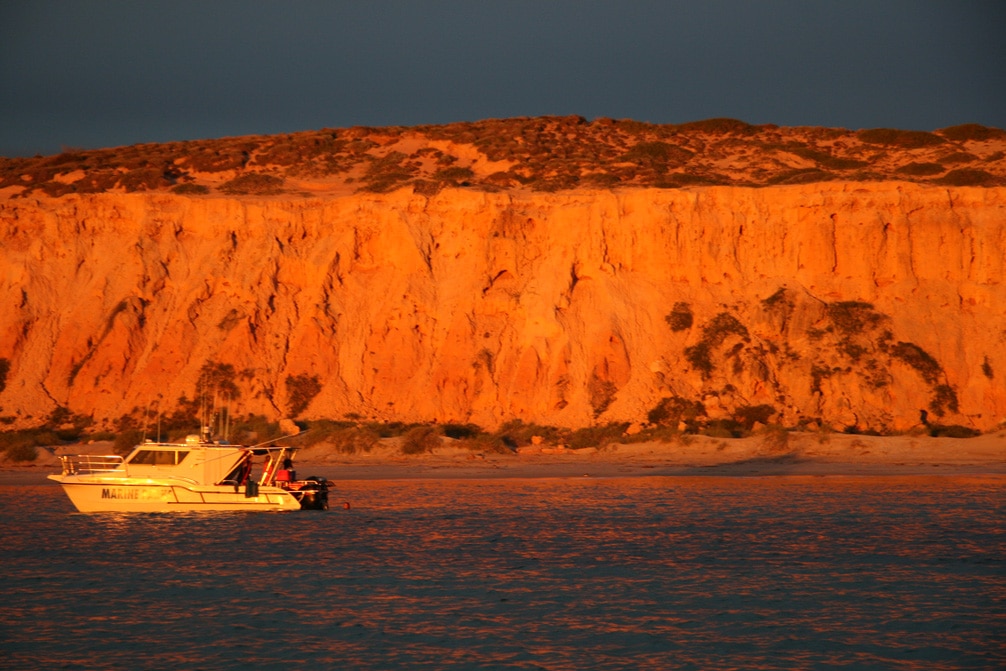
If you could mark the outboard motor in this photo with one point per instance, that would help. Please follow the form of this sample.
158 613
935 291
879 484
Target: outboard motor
314 494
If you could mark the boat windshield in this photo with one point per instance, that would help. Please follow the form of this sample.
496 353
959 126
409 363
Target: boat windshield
159 457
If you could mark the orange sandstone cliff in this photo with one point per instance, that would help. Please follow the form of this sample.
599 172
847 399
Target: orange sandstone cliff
482 296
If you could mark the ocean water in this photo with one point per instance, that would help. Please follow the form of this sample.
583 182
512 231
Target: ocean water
574 573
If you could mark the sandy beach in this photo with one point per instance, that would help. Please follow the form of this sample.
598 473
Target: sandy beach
799 454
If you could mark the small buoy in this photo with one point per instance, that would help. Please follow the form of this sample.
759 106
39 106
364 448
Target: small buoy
345 504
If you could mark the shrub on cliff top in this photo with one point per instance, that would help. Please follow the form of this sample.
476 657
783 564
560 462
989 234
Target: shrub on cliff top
190 189
685 179
968 177
971 131
920 169
906 139
425 187
389 172
455 175
719 126
253 184
800 176
217 155
959 157
823 158
658 155
144 179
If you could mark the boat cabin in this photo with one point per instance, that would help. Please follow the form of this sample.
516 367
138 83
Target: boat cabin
208 463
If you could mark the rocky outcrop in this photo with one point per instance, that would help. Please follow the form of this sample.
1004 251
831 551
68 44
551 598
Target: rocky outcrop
844 303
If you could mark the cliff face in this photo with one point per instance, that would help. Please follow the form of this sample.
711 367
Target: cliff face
845 303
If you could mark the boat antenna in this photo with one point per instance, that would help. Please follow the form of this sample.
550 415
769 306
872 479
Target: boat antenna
215 416
227 418
204 419
146 418
158 418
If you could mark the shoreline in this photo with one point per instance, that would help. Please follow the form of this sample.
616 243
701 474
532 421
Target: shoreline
801 454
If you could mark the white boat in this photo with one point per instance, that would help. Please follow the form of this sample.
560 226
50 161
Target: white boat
197 474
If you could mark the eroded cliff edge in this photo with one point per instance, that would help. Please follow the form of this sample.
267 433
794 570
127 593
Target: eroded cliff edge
848 304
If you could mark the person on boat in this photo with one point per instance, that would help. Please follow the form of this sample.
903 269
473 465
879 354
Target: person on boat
286 474
246 469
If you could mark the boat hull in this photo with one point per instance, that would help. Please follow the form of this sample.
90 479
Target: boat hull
114 495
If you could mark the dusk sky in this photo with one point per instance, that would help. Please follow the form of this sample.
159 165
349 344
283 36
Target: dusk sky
82 74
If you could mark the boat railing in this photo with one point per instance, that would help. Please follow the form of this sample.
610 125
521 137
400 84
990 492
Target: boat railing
85 464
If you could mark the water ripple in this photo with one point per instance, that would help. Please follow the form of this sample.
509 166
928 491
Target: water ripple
622 573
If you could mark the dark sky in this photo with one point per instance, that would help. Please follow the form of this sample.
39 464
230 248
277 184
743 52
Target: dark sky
85 74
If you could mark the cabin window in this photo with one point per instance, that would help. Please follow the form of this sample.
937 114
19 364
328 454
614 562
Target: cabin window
159 457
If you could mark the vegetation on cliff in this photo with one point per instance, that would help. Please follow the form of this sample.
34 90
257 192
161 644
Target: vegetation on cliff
539 154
